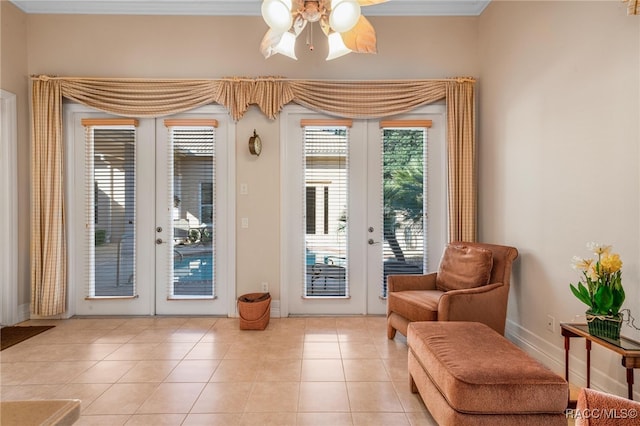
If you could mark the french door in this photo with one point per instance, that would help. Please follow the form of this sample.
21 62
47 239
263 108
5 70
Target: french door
150 213
361 199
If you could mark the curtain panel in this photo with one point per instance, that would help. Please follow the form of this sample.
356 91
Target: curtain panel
159 97
48 239
461 154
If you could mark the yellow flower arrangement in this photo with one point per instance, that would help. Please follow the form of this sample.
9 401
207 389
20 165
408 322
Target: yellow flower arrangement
601 285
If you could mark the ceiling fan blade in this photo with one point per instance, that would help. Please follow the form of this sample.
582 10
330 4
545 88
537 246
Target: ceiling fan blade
371 2
269 41
361 38
297 5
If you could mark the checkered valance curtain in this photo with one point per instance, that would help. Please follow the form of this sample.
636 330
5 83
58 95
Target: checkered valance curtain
352 99
153 98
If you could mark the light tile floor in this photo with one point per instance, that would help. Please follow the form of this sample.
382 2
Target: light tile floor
206 371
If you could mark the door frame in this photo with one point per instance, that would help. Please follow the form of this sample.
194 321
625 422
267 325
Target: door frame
224 213
70 109
9 207
355 303
435 203
437 235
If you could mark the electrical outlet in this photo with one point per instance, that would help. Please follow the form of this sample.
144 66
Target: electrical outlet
551 324
265 287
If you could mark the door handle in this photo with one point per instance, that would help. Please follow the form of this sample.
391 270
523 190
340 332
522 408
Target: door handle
159 241
371 242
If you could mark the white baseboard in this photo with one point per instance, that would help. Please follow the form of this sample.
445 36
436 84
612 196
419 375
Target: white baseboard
24 312
275 308
539 348
552 356
65 315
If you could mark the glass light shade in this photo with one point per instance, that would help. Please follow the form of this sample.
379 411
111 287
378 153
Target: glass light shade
337 47
287 45
277 14
344 15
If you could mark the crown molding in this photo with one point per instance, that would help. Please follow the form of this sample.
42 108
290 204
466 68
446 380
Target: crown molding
237 7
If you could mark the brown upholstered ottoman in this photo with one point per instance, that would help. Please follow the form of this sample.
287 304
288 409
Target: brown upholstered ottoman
468 374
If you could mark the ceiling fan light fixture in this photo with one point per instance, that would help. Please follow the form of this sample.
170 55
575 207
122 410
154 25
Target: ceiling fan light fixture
277 14
337 47
341 21
287 45
344 15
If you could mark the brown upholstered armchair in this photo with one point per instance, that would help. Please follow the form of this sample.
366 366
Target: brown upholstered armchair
472 284
596 408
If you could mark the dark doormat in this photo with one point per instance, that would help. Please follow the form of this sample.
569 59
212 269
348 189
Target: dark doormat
10 336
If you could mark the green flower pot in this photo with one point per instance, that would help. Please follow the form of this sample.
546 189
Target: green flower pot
604 326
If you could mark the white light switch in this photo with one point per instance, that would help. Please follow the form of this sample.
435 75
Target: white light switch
244 222
244 189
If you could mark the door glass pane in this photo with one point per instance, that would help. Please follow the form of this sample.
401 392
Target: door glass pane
326 208
192 197
403 171
111 209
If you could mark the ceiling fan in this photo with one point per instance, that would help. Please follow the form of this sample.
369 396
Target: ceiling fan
340 20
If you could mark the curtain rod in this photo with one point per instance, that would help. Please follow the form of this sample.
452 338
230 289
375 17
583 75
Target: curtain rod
43 77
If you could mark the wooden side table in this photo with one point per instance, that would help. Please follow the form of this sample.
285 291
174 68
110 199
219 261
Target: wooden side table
627 348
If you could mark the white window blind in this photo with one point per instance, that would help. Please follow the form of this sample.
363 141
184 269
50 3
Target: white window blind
326 209
110 176
404 172
192 185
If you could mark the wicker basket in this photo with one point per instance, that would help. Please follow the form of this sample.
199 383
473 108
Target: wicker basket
254 310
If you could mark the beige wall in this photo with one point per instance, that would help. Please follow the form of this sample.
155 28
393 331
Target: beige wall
213 47
183 46
559 135
14 79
